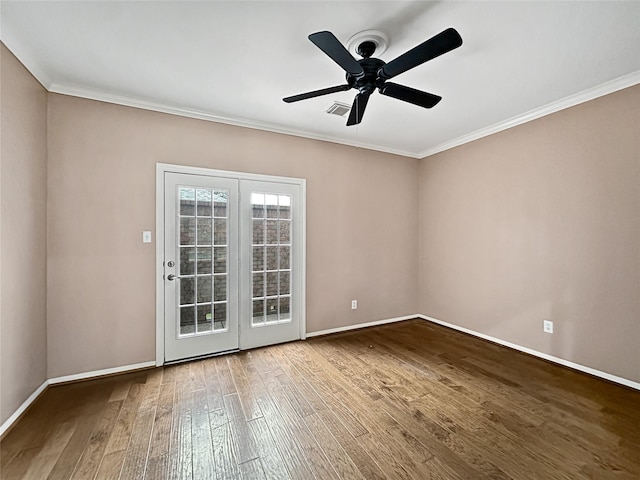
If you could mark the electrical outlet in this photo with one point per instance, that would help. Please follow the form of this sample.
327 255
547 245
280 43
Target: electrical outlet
354 304
547 326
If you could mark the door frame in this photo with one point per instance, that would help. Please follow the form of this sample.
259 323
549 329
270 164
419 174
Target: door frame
161 169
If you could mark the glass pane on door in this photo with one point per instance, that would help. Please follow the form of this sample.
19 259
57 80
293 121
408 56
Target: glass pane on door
203 237
271 250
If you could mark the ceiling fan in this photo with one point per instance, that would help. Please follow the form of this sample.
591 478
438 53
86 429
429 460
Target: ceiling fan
370 73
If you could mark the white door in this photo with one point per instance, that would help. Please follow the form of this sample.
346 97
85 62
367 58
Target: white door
233 262
270 279
200 265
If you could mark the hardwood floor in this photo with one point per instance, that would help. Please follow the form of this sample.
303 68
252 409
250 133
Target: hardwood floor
409 400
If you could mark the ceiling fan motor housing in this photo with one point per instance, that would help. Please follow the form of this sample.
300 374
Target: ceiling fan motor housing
370 79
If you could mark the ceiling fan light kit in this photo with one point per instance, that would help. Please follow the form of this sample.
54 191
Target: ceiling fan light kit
368 73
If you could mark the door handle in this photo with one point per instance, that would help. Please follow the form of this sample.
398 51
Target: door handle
171 277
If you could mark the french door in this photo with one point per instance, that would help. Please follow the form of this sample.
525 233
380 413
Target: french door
269 293
232 262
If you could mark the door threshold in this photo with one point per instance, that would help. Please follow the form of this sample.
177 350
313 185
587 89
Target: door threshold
200 357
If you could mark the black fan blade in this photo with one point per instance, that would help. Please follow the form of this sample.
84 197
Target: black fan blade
317 93
443 42
411 95
330 45
357 110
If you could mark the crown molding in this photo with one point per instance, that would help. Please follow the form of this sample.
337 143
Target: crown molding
567 102
119 99
24 56
570 101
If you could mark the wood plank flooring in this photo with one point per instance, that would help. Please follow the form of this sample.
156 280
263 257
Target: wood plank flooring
409 400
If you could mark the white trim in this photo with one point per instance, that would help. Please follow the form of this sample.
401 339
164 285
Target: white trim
159 235
22 408
361 325
570 101
171 168
161 169
127 368
117 99
69 378
535 353
101 373
25 57
303 260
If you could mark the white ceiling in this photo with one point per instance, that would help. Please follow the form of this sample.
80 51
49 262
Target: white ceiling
234 61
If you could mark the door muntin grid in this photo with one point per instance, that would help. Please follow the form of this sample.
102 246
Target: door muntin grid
271 258
202 222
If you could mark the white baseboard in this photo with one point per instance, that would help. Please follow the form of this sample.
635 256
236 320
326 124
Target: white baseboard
361 325
69 378
101 373
22 408
535 353
138 366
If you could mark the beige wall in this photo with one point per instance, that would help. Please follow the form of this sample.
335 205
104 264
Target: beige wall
541 221
362 237
23 328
